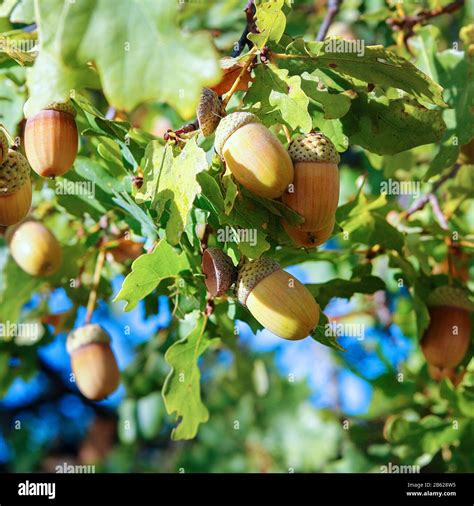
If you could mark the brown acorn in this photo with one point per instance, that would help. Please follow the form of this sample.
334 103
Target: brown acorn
209 112
256 158
277 300
34 248
448 336
219 271
51 140
312 239
15 188
93 361
314 193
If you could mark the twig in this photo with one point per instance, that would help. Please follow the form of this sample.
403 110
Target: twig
95 284
229 94
407 23
333 9
250 27
422 201
437 211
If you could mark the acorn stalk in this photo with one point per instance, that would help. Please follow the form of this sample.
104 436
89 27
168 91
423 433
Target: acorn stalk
254 155
277 300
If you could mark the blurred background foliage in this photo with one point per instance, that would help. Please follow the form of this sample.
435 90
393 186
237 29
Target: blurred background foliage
274 405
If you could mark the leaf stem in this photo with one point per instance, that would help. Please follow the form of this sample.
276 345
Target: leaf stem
249 61
95 283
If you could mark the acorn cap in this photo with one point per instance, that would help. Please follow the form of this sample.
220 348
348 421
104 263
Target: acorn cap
251 274
219 270
209 111
229 125
313 147
450 296
88 334
14 173
62 107
3 146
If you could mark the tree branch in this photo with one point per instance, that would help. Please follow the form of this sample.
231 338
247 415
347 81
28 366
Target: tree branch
250 27
443 222
333 9
407 23
422 201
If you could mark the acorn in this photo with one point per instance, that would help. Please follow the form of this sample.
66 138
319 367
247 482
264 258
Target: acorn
314 193
35 249
276 299
93 361
219 271
15 188
209 112
311 239
51 140
254 155
448 336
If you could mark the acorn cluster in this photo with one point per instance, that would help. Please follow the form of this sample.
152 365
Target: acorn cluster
306 179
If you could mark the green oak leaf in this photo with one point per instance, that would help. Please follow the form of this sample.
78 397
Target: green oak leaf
371 64
278 98
286 94
16 288
335 105
270 21
172 180
386 127
148 271
181 390
175 72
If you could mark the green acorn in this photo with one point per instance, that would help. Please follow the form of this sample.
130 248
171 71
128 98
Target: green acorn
276 299
256 158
